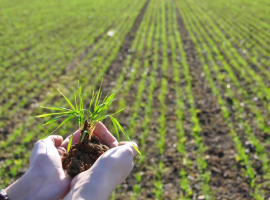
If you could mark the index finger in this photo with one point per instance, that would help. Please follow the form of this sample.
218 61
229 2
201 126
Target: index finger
76 138
104 135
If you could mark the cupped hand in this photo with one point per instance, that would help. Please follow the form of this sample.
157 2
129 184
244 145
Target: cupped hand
105 175
46 178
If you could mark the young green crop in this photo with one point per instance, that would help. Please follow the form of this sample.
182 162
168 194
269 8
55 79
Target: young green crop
95 113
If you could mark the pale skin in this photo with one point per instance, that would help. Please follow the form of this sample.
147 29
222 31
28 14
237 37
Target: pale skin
46 179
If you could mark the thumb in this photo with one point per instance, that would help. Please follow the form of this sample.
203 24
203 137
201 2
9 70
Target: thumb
131 144
41 146
56 140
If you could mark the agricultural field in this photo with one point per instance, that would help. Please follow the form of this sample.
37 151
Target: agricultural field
194 77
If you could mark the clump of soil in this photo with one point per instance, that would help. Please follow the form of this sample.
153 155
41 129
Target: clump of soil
83 155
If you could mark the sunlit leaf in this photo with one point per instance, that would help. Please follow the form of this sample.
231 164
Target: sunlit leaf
75 99
71 138
70 142
121 128
55 108
62 123
54 119
83 135
50 114
67 100
115 128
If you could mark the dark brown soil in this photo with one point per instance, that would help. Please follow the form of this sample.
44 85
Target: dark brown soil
83 155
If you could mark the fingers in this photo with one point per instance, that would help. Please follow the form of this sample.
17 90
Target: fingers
46 146
76 138
61 151
130 144
110 170
100 131
56 140
105 136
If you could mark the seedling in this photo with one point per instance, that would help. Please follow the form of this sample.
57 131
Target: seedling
95 113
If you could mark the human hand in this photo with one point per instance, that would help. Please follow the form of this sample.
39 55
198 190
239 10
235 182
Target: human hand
105 175
46 178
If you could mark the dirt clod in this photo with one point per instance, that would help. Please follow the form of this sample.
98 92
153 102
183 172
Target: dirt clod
83 155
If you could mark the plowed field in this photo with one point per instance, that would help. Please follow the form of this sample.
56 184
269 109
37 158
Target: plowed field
195 83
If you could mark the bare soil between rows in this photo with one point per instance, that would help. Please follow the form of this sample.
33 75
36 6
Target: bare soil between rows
227 179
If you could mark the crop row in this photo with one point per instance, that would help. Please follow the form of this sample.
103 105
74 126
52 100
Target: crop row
35 32
110 55
239 99
240 65
255 90
36 81
252 46
158 69
31 122
196 130
179 112
242 94
209 45
260 9
133 67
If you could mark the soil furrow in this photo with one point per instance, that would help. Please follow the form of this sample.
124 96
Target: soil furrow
64 77
235 119
248 113
108 77
220 153
125 50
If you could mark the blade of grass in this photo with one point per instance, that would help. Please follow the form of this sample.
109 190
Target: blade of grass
81 118
118 111
121 128
104 100
54 119
50 114
62 123
99 98
98 95
69 143
55 108
92 100
83 135
71 138
80 97
67 100
75 98
116 129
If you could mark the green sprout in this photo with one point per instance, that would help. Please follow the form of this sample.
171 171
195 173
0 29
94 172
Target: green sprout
95 113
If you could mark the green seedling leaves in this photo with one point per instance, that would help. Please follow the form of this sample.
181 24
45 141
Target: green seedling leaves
115 128
67 100
68 118
55 108
121 128
95 113
50 114
54 119
70 142
71 138
83 135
